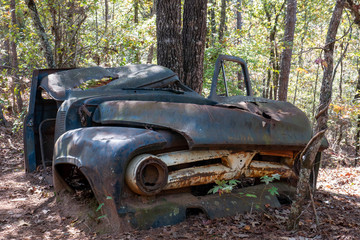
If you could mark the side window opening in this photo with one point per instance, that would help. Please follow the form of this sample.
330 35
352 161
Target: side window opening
231 80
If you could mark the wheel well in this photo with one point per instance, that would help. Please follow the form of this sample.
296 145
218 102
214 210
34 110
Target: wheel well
72 176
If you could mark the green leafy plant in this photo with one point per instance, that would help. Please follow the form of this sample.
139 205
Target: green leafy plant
18 123
223 186
100 206
267 180
226 186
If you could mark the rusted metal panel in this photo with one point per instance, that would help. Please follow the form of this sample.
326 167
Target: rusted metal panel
258 169
181 157
232 169
284 153
232 166
172 209
205 126
141 145
102 154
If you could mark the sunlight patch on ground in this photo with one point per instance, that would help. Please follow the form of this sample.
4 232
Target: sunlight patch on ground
341 181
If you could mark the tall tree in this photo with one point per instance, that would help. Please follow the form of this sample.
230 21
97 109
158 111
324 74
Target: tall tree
16 85
272 17
3 121
285 63
307 157
357 135
44 40
193 40
222 25
168 32
136 11
303 36
182 52
212 22
67 20
238 15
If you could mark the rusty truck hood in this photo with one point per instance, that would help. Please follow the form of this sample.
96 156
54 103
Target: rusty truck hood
225 125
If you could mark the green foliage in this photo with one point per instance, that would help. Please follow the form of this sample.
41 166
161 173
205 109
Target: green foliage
226 186
82 35
267 180
18 123
223 186
99 207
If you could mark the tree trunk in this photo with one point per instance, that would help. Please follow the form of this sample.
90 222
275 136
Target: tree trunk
273 58
212 21
136 11
341 72
41 33
354 9
300 63
168 32
150 55
16 85
106 14
55 29
193 40
287 52
315 90
276 67
307 157
3 121
357 136
239 22
222 20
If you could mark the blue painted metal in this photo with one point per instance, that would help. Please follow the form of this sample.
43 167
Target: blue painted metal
274 124
147 110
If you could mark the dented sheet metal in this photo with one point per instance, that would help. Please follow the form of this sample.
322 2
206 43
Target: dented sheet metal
232 167
173 208
204 125
151 148
131 76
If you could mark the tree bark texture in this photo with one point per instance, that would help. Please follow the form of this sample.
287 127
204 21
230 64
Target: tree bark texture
3 121
193 42
238 15
212 21
222 20
285 63
357 136
15 85
136 11
168 32
273 70
67 20
150 55
327 82
41 33
354 9
307 157
106 15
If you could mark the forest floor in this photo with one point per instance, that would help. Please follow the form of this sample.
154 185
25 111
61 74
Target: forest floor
29 209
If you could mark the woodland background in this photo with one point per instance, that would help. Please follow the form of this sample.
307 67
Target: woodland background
115 33
187 36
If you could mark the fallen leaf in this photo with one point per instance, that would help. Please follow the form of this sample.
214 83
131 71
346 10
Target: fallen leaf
247 228
23 223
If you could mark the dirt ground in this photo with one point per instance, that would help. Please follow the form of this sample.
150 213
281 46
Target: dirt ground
29 209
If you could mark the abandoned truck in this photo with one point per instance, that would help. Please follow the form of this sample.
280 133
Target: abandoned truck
150 148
